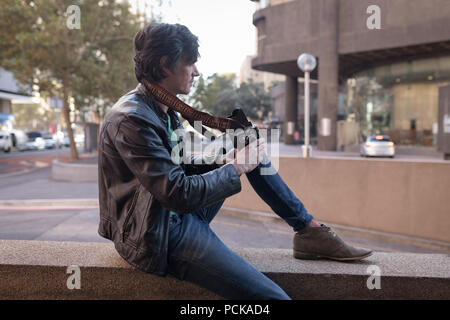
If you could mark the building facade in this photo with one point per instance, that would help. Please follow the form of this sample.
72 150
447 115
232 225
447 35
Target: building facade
380 63
247 74
10 93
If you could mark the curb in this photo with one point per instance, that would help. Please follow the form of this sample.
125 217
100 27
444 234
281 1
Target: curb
239 213
49 203
36 166
74 172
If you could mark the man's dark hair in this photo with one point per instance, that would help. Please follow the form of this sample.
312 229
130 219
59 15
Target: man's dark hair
157 40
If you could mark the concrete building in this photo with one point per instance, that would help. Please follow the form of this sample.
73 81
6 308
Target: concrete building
10 93
246 73
380 63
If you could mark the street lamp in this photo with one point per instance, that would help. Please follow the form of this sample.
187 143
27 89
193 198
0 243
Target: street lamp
307 63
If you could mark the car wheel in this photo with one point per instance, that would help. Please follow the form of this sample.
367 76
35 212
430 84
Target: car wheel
7 150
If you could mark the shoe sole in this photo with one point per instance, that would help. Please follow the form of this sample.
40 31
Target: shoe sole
309 256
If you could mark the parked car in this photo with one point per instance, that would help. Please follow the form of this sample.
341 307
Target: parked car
19 139
49 141
59 139
35 141
378 146
66 141
79 139
5 141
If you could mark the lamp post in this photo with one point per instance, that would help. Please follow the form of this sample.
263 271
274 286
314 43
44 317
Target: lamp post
307 63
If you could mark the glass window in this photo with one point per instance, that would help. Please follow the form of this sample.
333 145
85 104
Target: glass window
399 100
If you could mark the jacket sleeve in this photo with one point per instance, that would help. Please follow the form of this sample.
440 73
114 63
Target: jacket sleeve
143 151
193 167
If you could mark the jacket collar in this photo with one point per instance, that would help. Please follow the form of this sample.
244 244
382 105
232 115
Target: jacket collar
152 103
147 96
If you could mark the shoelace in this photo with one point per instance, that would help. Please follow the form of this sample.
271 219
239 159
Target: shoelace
329 230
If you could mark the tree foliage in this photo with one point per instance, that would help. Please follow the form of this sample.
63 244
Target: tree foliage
219 95
92 64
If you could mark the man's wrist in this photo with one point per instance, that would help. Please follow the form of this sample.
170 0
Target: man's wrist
236 167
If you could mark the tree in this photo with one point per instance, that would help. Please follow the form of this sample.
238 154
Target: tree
31 117
219 96
208 94
255 101
91 62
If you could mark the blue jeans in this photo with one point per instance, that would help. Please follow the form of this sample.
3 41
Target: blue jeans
197 255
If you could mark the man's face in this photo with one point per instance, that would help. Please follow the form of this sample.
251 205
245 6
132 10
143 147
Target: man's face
179 81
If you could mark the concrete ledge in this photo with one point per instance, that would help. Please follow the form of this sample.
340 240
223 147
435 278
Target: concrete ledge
37 270
74 172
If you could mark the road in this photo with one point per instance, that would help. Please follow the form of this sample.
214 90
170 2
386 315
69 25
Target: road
80 224
18 161
403 153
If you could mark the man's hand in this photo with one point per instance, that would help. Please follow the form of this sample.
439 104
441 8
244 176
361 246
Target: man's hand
248 158
227 158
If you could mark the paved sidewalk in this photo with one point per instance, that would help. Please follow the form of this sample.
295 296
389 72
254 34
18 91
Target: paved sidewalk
37 207
403 153
39 185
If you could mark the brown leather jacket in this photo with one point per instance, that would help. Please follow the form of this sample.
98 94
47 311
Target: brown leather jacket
139 183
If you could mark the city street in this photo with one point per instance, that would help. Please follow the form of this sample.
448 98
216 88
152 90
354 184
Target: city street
31 219
17 161
403 153
26 177
108 107
80 224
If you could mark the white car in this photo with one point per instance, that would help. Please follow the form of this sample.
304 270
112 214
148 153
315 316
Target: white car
19 139
35 141
59 139
5 141
49 141
79 139
378 146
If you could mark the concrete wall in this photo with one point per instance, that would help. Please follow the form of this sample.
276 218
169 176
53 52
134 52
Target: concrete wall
406 198
279 34
39 270
290 28
403 23
74 172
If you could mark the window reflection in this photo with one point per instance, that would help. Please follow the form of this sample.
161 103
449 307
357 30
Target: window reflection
400 100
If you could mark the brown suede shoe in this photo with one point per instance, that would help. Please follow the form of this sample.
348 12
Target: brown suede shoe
313 243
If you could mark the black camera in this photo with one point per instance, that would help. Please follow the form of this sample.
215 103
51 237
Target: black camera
243 129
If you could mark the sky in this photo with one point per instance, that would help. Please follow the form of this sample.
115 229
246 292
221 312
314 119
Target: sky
224 28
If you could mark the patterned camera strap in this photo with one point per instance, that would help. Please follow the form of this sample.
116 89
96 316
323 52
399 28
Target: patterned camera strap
163 96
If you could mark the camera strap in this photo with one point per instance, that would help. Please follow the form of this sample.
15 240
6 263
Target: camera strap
237 120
